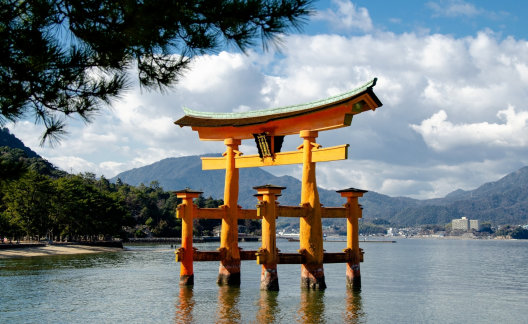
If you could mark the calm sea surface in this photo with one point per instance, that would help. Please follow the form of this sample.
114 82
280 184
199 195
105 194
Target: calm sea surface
411 281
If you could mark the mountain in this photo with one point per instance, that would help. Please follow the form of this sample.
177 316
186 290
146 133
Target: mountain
502 202
15 158
179 173
10 140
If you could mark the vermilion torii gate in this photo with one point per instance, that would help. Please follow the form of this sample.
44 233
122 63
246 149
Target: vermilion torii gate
268 128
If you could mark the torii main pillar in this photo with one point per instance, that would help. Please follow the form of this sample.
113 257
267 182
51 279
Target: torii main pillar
229 270
311 233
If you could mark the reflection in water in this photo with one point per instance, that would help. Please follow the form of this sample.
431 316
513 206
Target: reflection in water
35 265
311 308
353 308
185 305
269 310
228 310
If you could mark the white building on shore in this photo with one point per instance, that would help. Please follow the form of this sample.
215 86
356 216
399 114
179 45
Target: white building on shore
465 224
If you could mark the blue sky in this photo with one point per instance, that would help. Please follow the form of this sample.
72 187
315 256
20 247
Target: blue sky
452 75
458 18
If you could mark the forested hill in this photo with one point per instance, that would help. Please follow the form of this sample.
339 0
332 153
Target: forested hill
179 173
502 202
10 140
16 158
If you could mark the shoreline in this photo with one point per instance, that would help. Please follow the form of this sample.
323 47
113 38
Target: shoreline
53 250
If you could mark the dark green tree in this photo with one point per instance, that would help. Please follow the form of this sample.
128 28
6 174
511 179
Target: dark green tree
516 232
27 203
71 57
80 208
366 228
520 233
14 162
204 227
485 227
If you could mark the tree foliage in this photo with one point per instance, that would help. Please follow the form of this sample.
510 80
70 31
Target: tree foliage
27 203
515 232
70 57
205 227
38 200
366 228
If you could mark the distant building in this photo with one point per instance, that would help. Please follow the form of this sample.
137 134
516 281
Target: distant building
465 224
474 224
460 224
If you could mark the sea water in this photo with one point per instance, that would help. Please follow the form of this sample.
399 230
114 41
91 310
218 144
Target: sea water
410 281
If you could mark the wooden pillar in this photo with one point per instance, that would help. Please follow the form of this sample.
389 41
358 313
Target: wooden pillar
353 274
268 253
186 211
229 270
311 230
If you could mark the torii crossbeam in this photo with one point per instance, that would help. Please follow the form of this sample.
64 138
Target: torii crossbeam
268 128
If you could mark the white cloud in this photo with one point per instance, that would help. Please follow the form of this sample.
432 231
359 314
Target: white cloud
73 164
27 132
443 135
454 8
347 16
422 181
210 71
113 168
467 79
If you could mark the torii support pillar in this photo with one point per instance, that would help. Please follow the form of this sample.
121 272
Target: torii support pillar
311 230
353 274
229 270
185 254
268 253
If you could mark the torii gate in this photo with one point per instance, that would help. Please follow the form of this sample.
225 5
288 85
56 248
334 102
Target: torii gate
268 128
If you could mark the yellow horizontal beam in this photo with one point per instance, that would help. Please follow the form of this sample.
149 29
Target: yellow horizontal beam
292 211
248 214
282 211
333 153
326 212
210 213
219 213
334 212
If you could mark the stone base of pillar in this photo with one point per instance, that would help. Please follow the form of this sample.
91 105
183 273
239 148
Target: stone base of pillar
353 276
269 279
229 273
187 280
312 276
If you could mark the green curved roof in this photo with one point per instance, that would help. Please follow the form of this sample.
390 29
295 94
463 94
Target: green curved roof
282 110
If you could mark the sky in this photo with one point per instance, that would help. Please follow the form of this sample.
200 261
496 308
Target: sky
452 77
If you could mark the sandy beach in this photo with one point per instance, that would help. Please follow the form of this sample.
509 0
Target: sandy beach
55 250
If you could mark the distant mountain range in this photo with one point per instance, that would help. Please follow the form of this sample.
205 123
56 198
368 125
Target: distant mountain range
501 202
